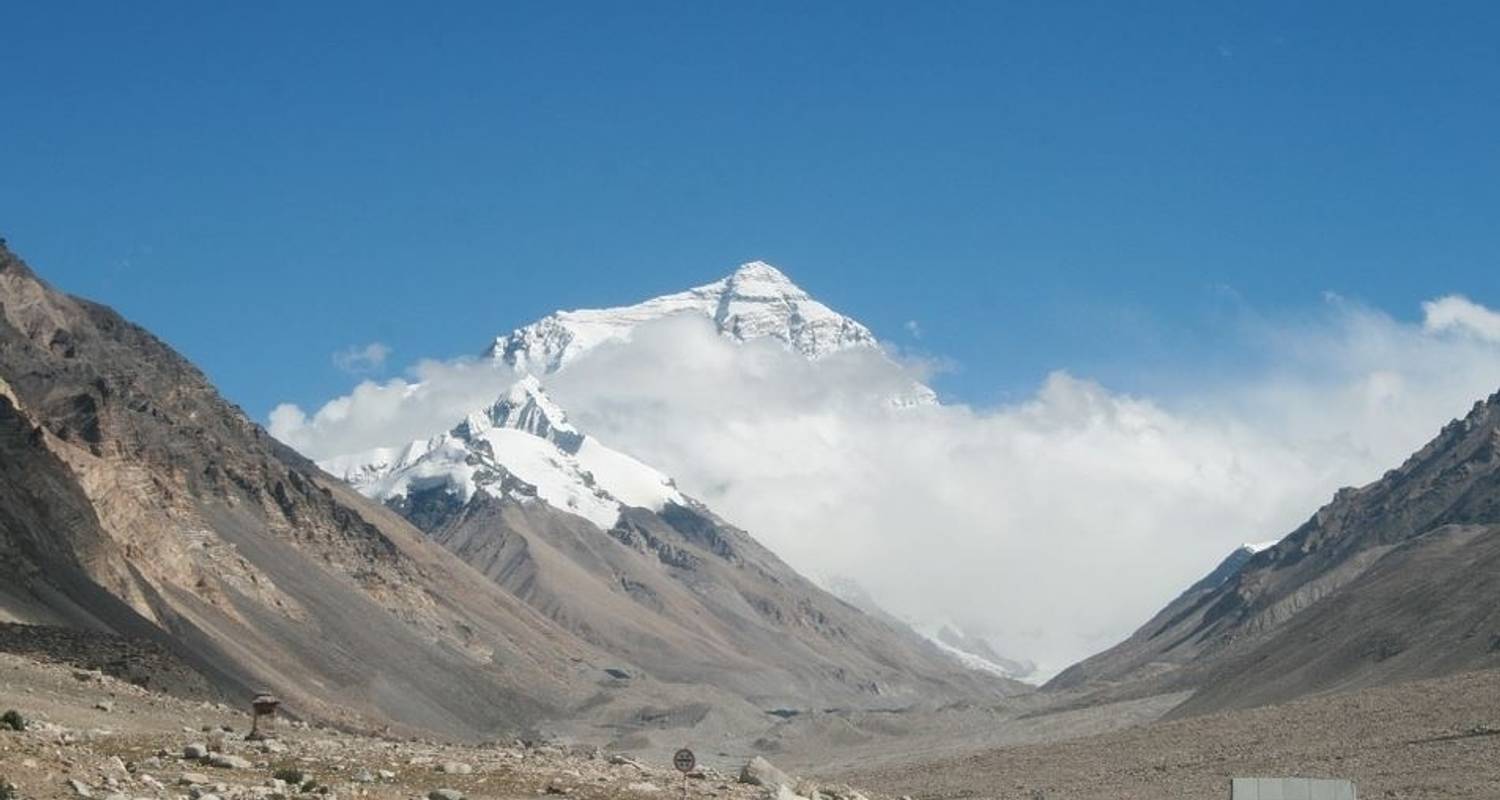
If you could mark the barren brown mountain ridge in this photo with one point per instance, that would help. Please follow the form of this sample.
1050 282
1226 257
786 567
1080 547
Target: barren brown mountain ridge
158 543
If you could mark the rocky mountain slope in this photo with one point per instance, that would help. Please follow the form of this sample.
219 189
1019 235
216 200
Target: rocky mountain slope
134 499
1397 580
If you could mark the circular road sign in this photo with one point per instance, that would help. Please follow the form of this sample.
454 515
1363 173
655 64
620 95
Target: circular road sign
684 760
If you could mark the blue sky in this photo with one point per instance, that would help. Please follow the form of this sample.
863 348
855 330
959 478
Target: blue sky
1038 185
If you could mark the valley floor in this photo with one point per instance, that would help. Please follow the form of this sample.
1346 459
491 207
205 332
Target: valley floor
93 736
1430 739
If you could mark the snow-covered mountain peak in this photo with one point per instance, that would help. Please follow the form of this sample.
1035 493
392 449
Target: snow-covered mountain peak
756 301
761 280
521 448
524 407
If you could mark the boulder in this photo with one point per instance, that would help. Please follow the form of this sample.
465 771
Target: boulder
760 772
195 750
445 794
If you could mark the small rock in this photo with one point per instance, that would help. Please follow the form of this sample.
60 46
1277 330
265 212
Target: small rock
105 705
80 788
643 787
195 751
192 779
455 768
117 796
385 774
272 746
364 776
445 794
553 788
226 761
781 792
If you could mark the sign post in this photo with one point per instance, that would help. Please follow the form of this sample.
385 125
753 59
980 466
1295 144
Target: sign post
684 761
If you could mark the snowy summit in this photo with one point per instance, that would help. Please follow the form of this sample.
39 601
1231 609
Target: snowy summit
520 448
523 448
756 301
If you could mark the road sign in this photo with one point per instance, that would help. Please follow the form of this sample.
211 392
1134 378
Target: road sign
684 760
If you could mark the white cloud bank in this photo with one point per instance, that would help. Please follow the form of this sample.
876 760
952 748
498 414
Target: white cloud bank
1053 526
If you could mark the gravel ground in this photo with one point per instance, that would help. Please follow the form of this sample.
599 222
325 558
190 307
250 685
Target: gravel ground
93 736
1428 739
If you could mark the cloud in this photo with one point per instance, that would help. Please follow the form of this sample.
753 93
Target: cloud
914 328
434 397
1054 525
1458 313
359 360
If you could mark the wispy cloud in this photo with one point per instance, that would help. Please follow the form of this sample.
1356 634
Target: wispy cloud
362 359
